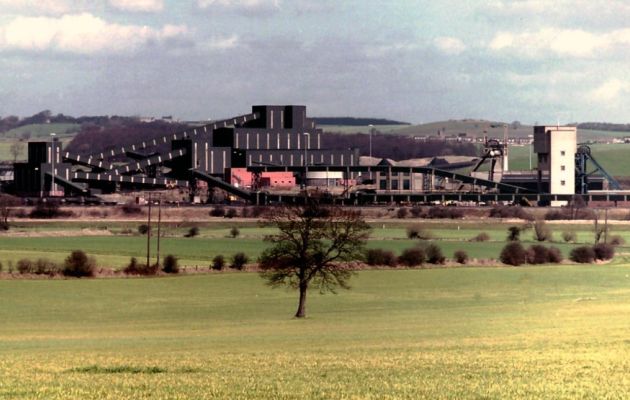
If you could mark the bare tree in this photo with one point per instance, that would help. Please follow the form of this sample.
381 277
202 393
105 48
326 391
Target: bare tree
599 229
542 232
310 248
577 205
16 149
6 202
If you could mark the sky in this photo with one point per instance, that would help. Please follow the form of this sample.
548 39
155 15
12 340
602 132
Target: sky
412 60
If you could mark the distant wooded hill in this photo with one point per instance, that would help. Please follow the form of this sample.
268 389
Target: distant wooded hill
397 147
47 117
452 126
93 139
604 126
351 121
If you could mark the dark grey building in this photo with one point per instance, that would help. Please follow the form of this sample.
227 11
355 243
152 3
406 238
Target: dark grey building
269 135
281 135
34 177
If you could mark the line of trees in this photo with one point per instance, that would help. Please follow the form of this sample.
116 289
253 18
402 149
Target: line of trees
313 243
604 126
46 116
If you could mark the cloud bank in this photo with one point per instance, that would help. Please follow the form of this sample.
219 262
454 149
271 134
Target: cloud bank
81 34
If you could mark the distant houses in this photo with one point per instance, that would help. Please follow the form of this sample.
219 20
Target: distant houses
465 138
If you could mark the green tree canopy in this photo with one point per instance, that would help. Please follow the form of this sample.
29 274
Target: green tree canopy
312 244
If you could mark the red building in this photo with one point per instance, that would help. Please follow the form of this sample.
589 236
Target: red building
242 178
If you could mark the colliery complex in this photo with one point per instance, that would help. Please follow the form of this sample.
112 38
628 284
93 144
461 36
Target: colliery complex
279 146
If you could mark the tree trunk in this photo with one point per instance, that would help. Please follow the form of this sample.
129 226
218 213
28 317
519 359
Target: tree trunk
301 311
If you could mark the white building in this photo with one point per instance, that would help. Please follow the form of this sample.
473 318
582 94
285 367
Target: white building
556 147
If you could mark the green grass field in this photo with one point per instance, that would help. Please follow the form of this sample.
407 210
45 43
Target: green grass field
613 157
506 333
43 131
593 134
55 240
5 146
65 133
5 154
473 127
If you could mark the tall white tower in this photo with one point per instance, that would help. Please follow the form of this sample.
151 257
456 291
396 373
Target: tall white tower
556 147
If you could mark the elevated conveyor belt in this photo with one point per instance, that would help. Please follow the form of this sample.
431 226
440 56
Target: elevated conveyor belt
188 133
216 182
135 179
134 155
503 187
88 161
70 185
147 162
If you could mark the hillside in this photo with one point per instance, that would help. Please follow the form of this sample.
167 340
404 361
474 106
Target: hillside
480 128
472 127
42 131
352 121
96 133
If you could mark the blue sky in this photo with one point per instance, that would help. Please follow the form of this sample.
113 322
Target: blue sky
418 61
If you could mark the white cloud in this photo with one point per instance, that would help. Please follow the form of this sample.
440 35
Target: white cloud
546 78
555 8
523 6
247 7
138 5
549 40
223 43
502 40
387 50
610 90
81 34
601 15
449 45
313 6
61 7
561 42
46 7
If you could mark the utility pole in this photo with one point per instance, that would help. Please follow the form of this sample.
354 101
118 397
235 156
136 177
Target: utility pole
371 132
306 143
505 147
149 234
53 154
158 232
606 225
531 144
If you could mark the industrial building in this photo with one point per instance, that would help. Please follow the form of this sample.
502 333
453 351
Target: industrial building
556 147
279 147
562 166
219 153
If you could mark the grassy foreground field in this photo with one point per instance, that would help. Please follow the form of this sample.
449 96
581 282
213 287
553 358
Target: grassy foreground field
111 248
507 333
